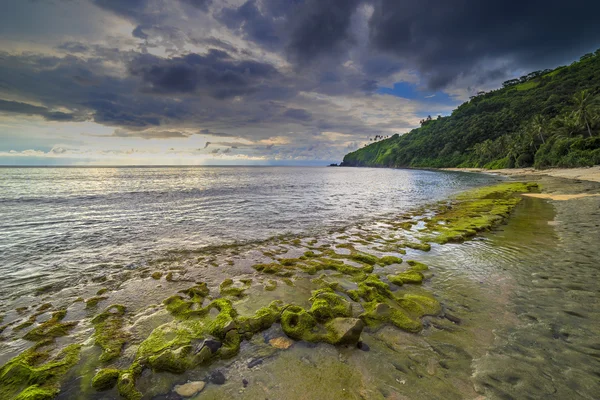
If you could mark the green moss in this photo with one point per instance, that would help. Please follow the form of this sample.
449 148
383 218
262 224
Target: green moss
262 319
274 269
109 333
476 210
419 305
33 374
157 275
389 260
43 307
373 288
93 301
417 266
126 386
51 328
101 291
25 324
410 276
272 285
418 246
169 277
298 324
310 254
105 379
288 282
289 262
364 258
406 225
377 313
35 392
326 305
197 292
226 288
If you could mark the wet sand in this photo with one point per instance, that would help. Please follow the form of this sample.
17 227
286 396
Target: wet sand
585 174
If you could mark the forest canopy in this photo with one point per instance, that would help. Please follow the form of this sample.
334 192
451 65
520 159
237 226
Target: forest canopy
548 118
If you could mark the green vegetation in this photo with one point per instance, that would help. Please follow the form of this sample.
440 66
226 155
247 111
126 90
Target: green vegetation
544 119
109 334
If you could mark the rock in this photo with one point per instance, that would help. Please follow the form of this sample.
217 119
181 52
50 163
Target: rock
363 346
217 377
229 326
344 330
245 382
190 388
281 342
105 379
212 344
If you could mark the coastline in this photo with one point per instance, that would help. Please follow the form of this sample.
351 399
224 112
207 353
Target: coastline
587 174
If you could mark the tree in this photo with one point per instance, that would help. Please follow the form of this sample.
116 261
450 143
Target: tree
538 125
585 107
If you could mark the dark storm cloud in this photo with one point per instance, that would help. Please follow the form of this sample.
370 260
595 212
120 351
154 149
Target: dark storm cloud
214 73
445 40
321 27
253 23
307 29
298 114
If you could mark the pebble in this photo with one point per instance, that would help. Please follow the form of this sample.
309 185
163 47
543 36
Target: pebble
281 342
363 346
190 388
245 382
217 377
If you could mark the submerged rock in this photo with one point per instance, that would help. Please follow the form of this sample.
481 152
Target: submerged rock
217 377
281 342
190 389
344 330
105 379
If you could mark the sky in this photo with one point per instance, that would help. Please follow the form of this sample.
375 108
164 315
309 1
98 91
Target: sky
257 82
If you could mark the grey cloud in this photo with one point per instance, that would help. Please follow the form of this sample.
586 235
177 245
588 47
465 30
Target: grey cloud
445 40
28 109
298 114
214 73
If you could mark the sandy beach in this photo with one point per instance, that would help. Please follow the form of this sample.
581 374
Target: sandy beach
586 174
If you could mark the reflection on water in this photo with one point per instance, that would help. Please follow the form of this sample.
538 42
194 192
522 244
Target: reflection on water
60 223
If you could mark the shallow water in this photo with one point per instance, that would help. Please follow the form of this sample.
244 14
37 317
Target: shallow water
59 224
521 316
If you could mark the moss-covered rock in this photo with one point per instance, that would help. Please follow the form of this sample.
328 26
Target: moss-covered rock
298 324
326 305
34 373
105 379
410 276
126 386
389 260
379 313
109 333
417 266
51 328
271 285
344 331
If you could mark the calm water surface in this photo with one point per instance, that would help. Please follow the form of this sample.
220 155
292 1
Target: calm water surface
58 223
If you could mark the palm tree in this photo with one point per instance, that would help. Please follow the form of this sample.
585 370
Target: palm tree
539 126
566 124
585 106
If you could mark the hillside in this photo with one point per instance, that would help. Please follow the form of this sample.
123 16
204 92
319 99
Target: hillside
546 119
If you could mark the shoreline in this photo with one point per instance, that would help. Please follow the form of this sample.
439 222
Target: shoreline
591 174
